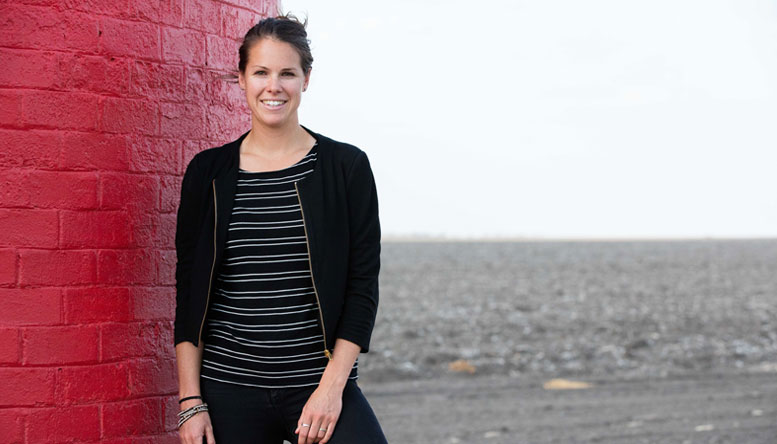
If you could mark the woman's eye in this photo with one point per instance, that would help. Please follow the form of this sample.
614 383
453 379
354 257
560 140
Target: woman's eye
288 73
259 72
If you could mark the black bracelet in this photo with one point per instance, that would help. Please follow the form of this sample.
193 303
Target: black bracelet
188 398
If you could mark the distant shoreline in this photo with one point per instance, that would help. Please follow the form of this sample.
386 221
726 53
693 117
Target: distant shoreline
421 239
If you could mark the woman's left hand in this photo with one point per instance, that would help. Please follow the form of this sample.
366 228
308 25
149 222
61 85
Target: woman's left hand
321 411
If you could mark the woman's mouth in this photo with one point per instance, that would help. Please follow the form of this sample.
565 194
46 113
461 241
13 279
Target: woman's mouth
273 104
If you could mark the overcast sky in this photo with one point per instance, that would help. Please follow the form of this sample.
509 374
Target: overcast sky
554 119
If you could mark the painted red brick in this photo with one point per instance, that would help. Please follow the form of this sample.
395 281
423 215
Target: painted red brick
23 228
60 345
30 306
183 46
149 154
57 267
61 110
26 386
94 151
100 304
50 189
16 147
222 53
171 409
7 266
125 340
129 116
35 27
28 68
10 107
122 190
90 383
182 120
77 72
129 38
62 424
203 15
153 303
9 346
136 417
94 229
127 267
152 377
150 79
12 425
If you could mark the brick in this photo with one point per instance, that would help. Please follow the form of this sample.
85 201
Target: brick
165 339
44 27
23 386
182 120
136 417
100 74
203 15
86 305
126 267
94 151
94 229
171 12
10 349
221 53
236 22
130 116
16 148
57 267
114 8
155 80
22 228
60 345
183 46
152 377
197 87
149 154
30 306
61 110
28 68
126 38
153 303
8 266
146 11
64 424
92 383
220 119
166 261
10 107
170 197
50 189
171 408
120 341
120 191
12 425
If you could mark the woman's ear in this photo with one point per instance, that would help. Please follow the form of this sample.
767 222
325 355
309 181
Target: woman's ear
241 80
307 80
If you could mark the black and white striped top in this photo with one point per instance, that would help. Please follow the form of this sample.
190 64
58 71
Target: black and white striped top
263 323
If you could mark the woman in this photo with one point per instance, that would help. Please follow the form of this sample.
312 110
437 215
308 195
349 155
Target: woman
278 245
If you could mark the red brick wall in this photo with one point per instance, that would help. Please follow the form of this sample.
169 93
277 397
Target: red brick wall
102 104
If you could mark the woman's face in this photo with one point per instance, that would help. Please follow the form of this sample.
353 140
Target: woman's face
273 81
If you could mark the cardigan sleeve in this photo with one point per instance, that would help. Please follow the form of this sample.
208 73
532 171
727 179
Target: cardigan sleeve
188 223
361 298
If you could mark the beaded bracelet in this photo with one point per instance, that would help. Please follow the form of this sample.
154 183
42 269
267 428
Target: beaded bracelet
185 415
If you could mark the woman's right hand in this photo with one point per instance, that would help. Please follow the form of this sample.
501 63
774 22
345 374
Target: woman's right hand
192 431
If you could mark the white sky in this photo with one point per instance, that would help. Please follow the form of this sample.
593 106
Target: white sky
548 119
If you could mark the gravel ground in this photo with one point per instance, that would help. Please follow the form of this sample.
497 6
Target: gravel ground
678 340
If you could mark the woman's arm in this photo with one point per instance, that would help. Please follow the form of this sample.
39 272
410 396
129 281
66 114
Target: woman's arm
325 404
189 359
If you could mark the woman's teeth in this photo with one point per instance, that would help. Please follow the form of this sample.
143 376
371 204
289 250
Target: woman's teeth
274 102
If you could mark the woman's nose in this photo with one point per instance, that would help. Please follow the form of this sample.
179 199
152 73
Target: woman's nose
274 83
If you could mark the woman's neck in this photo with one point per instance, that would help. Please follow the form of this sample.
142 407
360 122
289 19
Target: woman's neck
275 142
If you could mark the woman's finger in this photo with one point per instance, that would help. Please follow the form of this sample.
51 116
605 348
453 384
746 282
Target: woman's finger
209 435
328 435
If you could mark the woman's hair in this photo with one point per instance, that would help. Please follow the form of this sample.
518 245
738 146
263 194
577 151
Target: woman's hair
286 28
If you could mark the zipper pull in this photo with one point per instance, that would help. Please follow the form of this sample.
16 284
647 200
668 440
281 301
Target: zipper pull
328 354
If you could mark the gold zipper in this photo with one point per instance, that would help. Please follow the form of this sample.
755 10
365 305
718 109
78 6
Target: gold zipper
327 353
212 267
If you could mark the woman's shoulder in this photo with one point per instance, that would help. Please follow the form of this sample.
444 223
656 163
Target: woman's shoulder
340 151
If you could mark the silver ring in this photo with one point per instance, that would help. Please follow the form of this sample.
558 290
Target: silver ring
305 425
322 430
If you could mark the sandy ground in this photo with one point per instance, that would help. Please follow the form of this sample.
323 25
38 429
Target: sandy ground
678 340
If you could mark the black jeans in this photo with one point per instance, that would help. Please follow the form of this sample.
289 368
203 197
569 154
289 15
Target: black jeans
255 415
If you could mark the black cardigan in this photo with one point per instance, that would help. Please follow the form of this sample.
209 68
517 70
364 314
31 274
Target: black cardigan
340 212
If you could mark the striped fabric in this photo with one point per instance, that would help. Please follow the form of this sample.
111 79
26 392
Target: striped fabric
263 326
